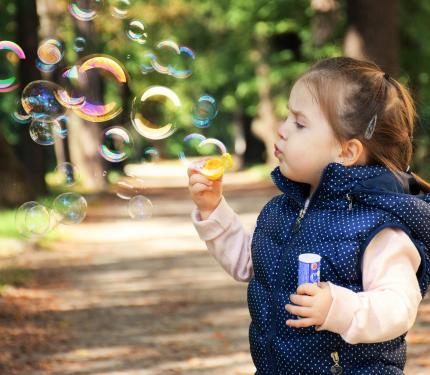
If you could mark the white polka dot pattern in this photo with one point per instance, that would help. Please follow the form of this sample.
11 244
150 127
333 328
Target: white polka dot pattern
346 211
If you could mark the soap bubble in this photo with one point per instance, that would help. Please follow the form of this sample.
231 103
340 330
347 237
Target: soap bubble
205 111
176 64
43 131
117 144
150 155
136 31
32 219
126 187
140 208
62 130
216 158
10 53
70 93
66 174
99 112
79 44
153 115
70 208
120 8
84 10
19 115
50 51
39 100
147 64
191 144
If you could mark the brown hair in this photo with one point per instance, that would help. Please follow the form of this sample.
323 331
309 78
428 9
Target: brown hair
351 92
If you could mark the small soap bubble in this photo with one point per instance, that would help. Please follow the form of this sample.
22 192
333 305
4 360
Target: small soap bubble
19 115
66 174
205 111
50 51
40 101
140 208
70 208
62 130
151 155
136 31
147 64
120 8
84 10
79 44
126 187
153 115
32 219
10 53
43 132
116 145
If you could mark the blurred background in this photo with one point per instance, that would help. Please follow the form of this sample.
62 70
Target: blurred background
128 287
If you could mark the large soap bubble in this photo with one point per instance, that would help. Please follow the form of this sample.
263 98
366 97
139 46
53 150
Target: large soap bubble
108 108
10 53
153 116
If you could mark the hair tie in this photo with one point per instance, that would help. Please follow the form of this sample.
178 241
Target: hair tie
387 76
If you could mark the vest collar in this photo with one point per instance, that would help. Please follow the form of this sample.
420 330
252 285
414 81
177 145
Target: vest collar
337 181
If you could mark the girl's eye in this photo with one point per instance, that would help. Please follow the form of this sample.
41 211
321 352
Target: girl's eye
299 126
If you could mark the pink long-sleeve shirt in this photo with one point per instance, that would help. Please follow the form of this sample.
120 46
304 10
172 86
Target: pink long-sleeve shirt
389 267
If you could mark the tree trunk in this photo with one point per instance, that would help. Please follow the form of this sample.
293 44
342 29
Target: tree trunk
32 155
324 21
373 32
264 126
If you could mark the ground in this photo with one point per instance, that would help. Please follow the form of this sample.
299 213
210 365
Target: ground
125 297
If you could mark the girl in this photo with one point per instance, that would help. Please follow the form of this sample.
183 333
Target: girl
349 196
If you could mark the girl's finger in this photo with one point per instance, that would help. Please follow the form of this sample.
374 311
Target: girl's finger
198 188
308 289
302 300
198 178
300 323
299 310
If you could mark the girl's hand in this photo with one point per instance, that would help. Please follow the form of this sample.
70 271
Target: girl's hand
205 193
313 303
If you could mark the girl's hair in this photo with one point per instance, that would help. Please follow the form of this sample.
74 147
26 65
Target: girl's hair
351 92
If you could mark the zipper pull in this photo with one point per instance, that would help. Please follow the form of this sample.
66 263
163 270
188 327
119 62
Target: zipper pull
348 196
336 369
298 223
302 212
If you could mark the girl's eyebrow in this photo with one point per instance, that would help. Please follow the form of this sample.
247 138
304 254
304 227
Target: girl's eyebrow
295 113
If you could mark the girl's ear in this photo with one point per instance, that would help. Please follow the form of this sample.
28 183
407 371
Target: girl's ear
352 153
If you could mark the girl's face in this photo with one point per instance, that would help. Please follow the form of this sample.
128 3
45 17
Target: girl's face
306 140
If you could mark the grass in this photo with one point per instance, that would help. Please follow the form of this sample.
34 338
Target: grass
15 277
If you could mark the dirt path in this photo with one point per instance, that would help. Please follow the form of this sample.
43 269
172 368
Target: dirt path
146 298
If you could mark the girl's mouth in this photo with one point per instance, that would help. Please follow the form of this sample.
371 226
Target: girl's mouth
277 152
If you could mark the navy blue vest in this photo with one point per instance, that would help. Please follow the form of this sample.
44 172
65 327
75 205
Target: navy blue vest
349 207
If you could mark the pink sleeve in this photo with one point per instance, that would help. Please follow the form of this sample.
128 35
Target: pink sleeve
390 263
226 240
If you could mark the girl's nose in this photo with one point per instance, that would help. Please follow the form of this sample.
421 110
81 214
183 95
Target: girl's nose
282 131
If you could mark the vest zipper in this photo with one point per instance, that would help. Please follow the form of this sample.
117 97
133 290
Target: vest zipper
349 197
298 222
294 231
336 369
